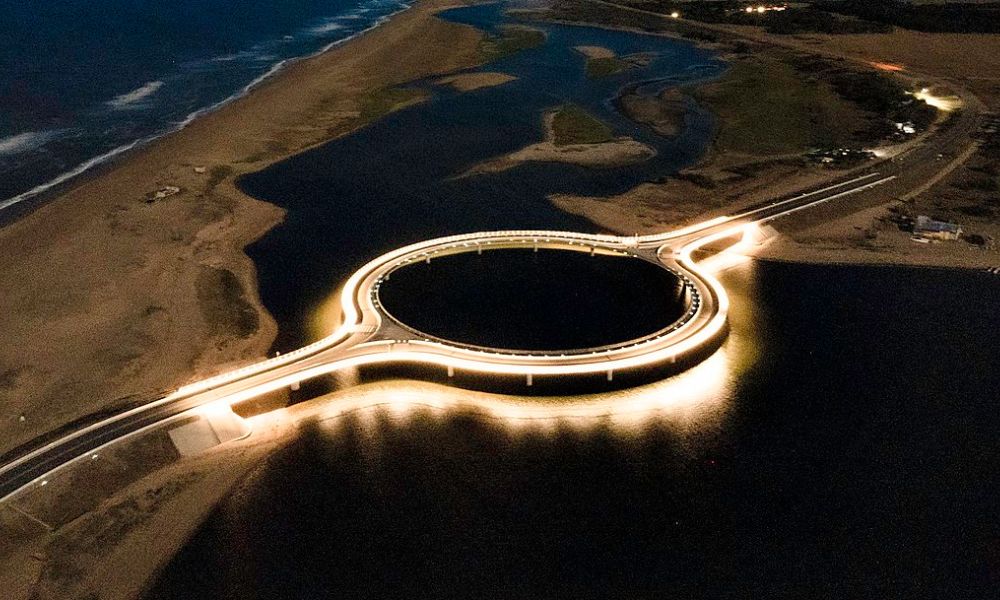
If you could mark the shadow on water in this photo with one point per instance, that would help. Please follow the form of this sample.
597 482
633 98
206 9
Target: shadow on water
459 506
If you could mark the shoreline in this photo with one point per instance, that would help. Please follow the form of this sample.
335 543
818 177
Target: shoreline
220 244
64 182
111 288
615 152
814 243
96 262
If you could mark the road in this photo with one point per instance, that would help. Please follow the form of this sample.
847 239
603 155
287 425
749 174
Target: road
369 336
918 168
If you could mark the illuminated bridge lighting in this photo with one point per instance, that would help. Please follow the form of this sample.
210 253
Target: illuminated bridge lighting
355 340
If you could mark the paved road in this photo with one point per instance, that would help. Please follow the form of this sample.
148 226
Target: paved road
369 336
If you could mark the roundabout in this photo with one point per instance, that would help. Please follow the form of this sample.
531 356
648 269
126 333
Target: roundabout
369 337
535 301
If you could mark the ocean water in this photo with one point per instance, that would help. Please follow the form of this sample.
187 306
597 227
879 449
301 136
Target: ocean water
82 81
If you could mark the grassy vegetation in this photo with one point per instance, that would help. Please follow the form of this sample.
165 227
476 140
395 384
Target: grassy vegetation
510 41
8 378
962 17
378 103
766 107
224 305
217 175
882 96
808 20
573 125
605 66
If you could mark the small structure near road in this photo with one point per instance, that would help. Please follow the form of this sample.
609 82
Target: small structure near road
160 194
839 157
928 228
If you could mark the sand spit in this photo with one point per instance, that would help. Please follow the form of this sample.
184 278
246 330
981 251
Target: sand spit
467 82
594 51
619 152
110 298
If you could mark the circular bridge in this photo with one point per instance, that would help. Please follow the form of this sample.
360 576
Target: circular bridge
536 301
694 333
369 336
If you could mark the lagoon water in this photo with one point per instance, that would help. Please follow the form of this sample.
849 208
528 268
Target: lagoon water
396 182
847 448
543 300
842 443
83 80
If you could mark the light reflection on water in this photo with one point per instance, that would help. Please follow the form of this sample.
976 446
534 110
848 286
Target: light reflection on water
798 461
698 395
696 398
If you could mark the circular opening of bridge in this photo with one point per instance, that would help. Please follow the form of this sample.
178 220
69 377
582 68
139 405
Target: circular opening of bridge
532 300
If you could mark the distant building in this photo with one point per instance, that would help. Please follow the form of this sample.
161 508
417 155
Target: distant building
929 228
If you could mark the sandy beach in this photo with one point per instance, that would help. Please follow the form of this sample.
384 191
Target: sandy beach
134 282
115 296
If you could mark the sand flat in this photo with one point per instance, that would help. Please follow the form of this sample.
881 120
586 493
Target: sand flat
467 82
101 287
594 51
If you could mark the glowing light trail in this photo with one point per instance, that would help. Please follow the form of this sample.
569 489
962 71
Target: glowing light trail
355 342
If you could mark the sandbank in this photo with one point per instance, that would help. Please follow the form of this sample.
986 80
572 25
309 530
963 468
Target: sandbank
467 82
109 298
605 155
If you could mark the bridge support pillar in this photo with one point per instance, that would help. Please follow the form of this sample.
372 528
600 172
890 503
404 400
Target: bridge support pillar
592 250
451 371
213 427
428 259
479 249
611 374
530 381
296 386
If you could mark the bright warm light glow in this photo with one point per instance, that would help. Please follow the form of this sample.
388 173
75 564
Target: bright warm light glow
219 408
942 103
891 67
352 344
734 255
328 316
691 397
764 8
683 231
675 15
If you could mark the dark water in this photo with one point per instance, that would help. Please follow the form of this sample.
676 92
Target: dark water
526 300
855 457
394 182
851 452
82 80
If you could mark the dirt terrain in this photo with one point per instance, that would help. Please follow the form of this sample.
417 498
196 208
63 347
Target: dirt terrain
113 295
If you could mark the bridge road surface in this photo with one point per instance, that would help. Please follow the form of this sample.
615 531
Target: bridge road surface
356 342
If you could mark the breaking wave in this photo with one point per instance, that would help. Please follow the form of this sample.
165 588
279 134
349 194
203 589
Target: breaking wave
135 96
